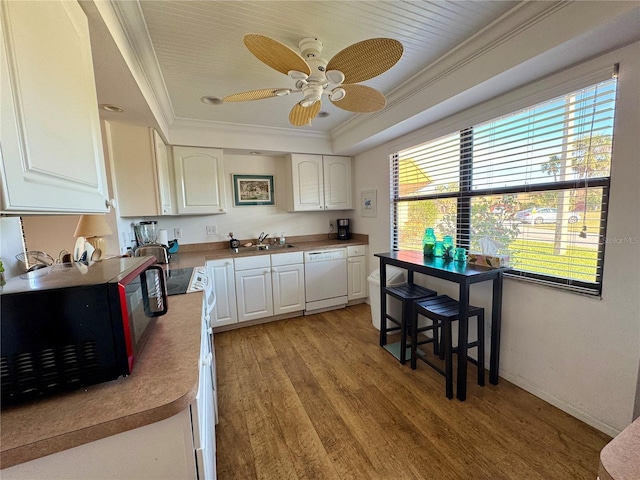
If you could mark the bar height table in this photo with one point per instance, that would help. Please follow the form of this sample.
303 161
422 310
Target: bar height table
464 275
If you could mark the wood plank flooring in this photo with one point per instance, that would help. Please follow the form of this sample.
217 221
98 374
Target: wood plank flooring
315 397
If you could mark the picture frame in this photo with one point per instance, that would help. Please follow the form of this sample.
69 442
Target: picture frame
253 190
368 203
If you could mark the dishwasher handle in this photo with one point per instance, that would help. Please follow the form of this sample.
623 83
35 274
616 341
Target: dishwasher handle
324 255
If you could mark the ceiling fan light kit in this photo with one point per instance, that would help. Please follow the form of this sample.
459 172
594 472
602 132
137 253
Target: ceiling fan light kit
313 76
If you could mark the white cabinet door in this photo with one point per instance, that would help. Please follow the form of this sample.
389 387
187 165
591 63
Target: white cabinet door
164 175
140 170
254 294
338 193
317 182
199 180
221 273
133 169
356 277
288 288
307 191
203 414
50 143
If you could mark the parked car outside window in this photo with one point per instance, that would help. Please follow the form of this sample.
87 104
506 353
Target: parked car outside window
539 216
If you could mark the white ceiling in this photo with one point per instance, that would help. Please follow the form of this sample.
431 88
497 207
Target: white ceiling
180 51
200 50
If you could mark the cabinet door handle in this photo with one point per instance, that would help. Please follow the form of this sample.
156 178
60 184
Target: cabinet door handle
207 360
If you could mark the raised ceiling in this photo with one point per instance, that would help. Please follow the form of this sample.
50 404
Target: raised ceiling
200 52
456 54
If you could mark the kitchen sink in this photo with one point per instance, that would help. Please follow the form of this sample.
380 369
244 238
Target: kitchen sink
272 247
265 247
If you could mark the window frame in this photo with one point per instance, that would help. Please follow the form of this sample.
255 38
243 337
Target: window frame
466 193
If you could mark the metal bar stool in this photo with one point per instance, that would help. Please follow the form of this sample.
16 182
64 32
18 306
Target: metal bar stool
407 294
442 311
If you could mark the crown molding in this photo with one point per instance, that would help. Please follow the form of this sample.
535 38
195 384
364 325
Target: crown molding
127 26
234 136
523 35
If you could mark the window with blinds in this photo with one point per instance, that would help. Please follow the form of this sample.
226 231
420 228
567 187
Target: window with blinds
535 181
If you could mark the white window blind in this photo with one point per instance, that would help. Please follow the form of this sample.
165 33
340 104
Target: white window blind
535 181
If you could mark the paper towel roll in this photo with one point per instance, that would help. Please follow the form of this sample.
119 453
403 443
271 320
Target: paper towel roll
163 237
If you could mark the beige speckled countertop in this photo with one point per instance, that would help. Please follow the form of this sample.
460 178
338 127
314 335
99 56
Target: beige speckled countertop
620 458
163 383
212 251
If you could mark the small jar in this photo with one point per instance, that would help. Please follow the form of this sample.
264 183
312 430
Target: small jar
447 247
429 243
438 250
460 255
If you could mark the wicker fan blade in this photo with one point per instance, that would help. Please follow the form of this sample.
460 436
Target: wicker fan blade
367 59
361 99
301 116
253 95
275 54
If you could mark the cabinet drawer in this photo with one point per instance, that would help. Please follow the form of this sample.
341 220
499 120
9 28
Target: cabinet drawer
289 258
246 263
356 251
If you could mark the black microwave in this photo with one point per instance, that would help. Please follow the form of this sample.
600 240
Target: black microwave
76 324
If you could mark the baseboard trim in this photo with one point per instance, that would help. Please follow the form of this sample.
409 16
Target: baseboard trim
562 405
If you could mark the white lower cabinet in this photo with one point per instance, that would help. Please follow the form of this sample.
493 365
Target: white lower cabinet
182 446
203 410
221 274
254 292
356 272
287 277
268 285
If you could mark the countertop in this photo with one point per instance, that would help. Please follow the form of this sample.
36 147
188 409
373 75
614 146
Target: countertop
163 383
620 458
213 251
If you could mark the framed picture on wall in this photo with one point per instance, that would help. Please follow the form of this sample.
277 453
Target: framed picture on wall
368 205
253 190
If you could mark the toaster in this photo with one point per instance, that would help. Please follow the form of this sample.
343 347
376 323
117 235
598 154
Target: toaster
157 251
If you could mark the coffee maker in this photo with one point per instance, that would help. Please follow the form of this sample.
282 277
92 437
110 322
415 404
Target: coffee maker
343 229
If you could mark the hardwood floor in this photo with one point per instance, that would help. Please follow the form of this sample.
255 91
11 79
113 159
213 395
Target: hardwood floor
316 397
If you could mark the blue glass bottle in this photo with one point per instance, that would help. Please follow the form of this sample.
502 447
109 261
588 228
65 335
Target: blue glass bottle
447 247
429 243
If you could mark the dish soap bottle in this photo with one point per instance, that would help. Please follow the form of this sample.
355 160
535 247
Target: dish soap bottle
282 239
429 242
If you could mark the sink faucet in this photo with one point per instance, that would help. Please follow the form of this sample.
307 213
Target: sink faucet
262 237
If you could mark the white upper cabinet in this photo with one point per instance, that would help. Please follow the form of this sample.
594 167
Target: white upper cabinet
317 182
140 170
164 175
338 194
199 177
50 144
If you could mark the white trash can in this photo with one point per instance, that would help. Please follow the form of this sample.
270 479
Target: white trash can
395 277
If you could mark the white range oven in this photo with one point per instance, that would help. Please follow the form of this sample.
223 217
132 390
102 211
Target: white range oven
325 279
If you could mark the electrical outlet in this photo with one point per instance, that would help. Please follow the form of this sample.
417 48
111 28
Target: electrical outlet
177 232
211 230
331 224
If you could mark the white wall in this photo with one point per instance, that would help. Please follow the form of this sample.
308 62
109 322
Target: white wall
247 222
578 353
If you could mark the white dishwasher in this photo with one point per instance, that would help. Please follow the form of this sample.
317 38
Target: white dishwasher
325 279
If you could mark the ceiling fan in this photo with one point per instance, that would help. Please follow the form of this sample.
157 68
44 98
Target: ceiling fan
313 76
